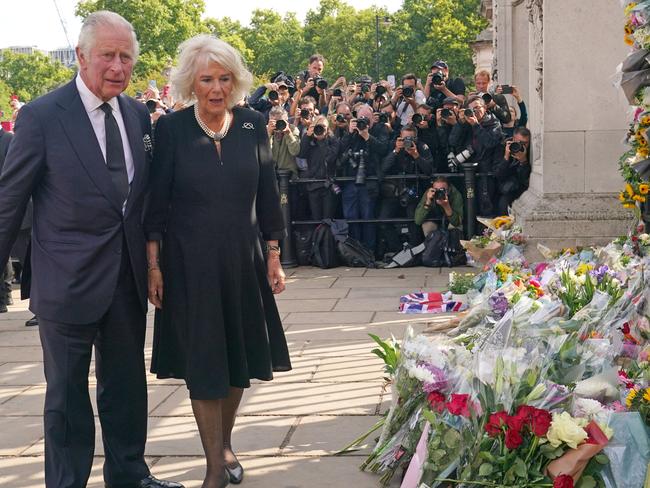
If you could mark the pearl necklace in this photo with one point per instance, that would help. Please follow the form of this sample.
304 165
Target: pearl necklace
216 136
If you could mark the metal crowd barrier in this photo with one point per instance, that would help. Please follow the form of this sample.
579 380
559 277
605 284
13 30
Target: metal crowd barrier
469 175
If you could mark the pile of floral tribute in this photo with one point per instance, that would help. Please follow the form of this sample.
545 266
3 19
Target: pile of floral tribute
545 382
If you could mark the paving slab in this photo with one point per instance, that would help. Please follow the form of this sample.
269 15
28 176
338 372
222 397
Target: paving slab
345 332
307 305
27 337
318 282
412 283
350 369
313 272
296 293
328 317
304 369
17 434
393 292
338 348
325 435
27 374
378 304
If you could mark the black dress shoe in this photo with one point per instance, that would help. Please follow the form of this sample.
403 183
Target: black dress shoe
31 322
235 473
151 482
3 308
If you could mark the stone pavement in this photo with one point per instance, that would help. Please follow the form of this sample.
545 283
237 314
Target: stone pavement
288 429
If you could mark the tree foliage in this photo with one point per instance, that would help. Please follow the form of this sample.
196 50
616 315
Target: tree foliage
31 75
420 32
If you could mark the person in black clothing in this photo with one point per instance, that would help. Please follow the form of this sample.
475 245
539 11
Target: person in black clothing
480 133
320 149
306 80
410 156
522 120
425 122
495 102
440 86
279 90
513 170
7 269
446 119
340 120
360 156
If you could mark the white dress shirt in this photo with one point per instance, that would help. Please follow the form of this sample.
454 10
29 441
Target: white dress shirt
96 115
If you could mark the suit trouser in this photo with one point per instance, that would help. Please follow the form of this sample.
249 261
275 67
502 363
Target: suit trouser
118 338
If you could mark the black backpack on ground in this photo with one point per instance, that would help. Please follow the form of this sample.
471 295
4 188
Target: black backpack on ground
323 248
355 255
443 248
303 240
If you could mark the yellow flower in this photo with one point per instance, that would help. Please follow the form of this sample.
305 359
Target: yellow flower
645 120
621 197
643 152
628 40
630 397
646 396
638 198
644 188
565 429
583 268
628 205
629 8
629 189
642 141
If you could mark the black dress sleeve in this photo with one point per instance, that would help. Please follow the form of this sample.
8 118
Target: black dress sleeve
161 178
269 213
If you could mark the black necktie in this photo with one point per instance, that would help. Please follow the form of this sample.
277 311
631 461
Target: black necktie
115 153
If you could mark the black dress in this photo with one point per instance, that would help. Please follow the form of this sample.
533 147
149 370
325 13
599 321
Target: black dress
219 325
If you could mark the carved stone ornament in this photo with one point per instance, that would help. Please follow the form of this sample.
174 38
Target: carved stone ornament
536 18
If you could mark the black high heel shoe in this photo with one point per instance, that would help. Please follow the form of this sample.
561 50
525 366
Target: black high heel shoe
235 473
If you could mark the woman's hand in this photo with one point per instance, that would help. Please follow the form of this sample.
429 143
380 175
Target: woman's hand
155 287
275 274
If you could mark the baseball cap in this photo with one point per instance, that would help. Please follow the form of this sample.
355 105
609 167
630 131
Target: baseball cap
439 64
450 100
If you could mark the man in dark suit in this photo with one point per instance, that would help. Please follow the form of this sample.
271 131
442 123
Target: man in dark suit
6 270
82 153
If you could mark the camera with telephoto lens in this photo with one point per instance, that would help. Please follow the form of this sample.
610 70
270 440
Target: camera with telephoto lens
445 113
365 88
320 83
340 118
469 112
151 106
380 90
337 92
407 195
455 161
408 91
417 118
363 123
384 117
357 160
280 125
440 194
331 185
516 147
305 113
437 79
409 142
274 95
319 130
487 98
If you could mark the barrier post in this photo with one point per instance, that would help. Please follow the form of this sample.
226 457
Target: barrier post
287 259
470 198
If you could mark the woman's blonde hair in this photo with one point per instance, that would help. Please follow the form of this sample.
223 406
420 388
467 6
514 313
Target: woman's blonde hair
322 120
196 53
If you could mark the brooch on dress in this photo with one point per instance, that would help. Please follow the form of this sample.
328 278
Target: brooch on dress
248 125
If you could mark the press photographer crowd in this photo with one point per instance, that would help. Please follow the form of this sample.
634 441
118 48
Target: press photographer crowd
383 149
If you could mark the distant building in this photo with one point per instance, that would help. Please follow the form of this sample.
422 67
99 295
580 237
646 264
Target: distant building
25 50
65 55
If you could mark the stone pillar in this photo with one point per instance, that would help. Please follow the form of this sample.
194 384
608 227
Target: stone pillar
578 123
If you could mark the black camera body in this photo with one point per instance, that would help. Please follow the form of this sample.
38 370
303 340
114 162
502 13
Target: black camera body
409 142
445 113
320 83
380 90
384 117
332 186
516 147
365 88
363 123
408 91
337 92
417 118
437 79
304 113
340 118
357 160
440 194
469 112
319 130
407 195
274 95
280 125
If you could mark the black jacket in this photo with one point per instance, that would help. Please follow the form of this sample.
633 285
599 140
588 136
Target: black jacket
321 158
5 139
512 176
403 164
375 148
484 138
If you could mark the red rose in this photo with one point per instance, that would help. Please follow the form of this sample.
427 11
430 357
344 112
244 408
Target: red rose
459 405
437 401
540 422
513 439
626 328
515 422
495 424
525 412
563 481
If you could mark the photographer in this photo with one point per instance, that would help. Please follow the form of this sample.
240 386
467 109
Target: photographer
495 102
440 201
406 99
340 120
425 123
365 91
284 140
310 83
446 119
513 170
439 86
306 110
410 156
477 136
279 95
360 157
522 121
320 149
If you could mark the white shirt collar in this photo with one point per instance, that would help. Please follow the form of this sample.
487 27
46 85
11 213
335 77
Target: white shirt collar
91 101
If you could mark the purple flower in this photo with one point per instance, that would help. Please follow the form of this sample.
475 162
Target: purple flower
498 304
600 273
440 379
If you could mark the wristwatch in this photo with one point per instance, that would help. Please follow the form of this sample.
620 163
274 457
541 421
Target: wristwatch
273 249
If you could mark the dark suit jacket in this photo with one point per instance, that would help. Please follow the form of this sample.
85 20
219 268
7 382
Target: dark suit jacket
78 230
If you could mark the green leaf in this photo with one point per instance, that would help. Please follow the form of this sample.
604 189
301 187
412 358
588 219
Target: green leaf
601 459
486 469
586 482
520 468
438 455
451 439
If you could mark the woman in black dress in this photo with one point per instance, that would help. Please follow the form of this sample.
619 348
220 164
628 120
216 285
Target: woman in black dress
213 191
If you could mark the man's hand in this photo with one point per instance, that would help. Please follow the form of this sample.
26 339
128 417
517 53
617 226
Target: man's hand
271 86
516 94
399 145
506 153
270 127
472 120
431 192
413 151
310 130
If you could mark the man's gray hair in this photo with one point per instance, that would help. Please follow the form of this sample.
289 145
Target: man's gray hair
278 112
104 18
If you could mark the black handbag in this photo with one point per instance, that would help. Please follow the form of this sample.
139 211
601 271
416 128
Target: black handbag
442 247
